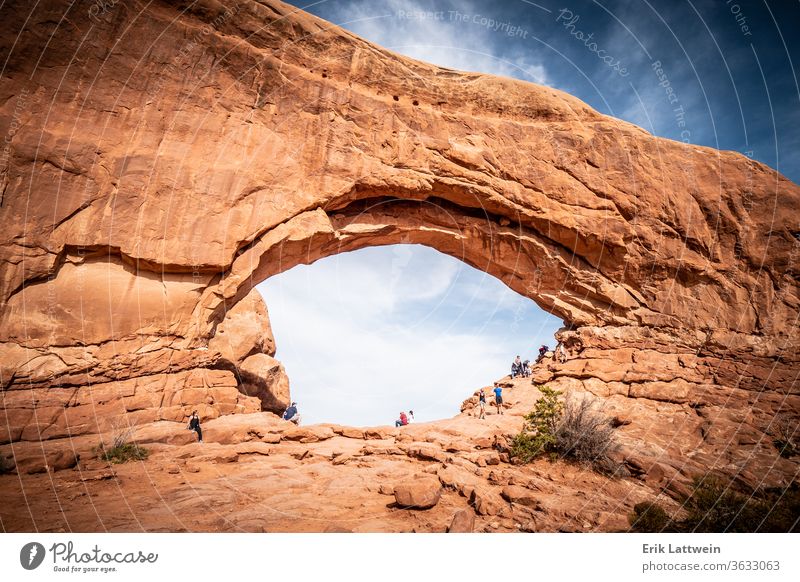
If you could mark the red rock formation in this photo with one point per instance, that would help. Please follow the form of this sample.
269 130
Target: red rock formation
150 183
245 345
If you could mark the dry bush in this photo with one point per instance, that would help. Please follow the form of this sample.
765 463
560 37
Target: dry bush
584 434
122 449
786 438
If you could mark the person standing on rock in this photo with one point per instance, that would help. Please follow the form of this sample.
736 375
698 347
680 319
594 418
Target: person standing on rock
194 424
291 414
482 404
498 398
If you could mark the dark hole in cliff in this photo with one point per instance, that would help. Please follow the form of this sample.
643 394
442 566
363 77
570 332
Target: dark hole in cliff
366 334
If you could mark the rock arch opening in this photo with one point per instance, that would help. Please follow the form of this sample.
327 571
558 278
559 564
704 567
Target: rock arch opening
365 334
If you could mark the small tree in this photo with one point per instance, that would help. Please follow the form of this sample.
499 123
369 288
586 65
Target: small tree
541 424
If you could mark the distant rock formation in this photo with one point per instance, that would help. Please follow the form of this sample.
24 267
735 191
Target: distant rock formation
150 184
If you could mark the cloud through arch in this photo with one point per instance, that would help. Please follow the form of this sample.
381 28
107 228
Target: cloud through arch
368 333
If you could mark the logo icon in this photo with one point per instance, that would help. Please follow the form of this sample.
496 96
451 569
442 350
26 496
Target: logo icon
31 555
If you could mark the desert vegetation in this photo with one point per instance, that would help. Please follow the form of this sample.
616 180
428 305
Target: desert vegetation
571 429
714 506
122 449
785 438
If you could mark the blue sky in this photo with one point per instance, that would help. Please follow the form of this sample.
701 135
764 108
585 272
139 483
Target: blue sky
407 327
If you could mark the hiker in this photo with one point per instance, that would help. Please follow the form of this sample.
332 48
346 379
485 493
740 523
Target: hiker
560 354
482 405
498 398
516 368
403 420
542 352
194 424
291 414
410 416
526 370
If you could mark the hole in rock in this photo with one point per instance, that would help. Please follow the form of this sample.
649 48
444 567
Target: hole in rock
368 333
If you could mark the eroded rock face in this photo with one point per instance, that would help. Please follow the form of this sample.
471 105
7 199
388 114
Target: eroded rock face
245 346
244 332
143 202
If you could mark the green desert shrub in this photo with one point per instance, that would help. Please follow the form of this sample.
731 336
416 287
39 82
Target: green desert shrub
124 453
649 517
122 449
572 429
714 507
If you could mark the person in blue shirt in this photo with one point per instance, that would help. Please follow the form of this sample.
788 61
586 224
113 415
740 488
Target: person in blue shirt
291 414
498 398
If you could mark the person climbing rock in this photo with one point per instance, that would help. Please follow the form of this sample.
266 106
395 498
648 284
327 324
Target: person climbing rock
498 398
194 424
560 353
403 420
291 414
516 368
543 349
482 404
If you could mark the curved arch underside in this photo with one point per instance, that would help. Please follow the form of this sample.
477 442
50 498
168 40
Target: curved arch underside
142 204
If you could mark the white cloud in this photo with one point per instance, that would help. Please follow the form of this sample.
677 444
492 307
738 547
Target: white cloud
363 351
438 35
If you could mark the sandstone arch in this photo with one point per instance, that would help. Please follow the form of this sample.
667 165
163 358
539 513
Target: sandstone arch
148 188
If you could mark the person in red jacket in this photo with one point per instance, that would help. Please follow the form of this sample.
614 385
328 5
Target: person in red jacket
403 420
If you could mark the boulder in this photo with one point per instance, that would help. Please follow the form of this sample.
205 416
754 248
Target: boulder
32 461
263 376
486 501
418 494
463 522
520 495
